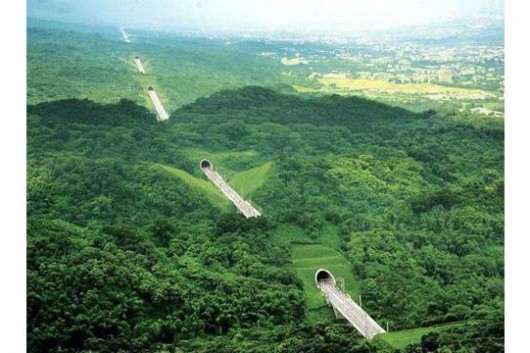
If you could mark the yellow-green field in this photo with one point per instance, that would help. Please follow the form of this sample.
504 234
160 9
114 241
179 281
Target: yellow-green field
409 88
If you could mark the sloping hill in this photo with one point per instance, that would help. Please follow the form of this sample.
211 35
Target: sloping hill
307 259
279 108
401 339
250 180
210 191
414 203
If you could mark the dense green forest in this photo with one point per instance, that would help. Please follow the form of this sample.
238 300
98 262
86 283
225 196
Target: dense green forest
129 249
124 256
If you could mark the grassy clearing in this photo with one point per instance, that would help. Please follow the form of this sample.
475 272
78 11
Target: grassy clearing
248 181
226 163
400 339
329 236
244 182
287 233
213 194
308 256
307 259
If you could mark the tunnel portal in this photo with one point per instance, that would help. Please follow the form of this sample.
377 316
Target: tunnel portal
324 275
206 164
344 307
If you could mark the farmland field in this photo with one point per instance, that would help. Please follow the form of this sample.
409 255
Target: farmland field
411 88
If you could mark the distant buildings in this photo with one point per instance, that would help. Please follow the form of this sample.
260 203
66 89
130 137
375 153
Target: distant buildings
465 72
294 61
445 75
337 75
484 111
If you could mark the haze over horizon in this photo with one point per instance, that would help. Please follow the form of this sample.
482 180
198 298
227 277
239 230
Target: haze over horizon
263 15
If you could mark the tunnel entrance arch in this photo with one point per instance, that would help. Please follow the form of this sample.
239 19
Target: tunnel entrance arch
323 275
344 307
206 164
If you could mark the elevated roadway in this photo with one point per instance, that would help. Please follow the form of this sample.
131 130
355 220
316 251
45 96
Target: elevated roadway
125 35
161 112
139 65
344 306
242 205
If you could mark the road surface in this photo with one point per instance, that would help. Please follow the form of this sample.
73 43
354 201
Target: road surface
162 114
125 35
139 65
243 206
348 309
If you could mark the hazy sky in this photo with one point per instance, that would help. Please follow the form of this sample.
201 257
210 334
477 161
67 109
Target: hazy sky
347 15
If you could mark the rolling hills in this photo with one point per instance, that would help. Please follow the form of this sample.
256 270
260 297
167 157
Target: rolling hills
129 247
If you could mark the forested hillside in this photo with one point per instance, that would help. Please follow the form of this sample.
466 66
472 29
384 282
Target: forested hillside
66 64
127 253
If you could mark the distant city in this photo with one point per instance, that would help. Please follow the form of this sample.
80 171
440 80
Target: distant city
462 64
